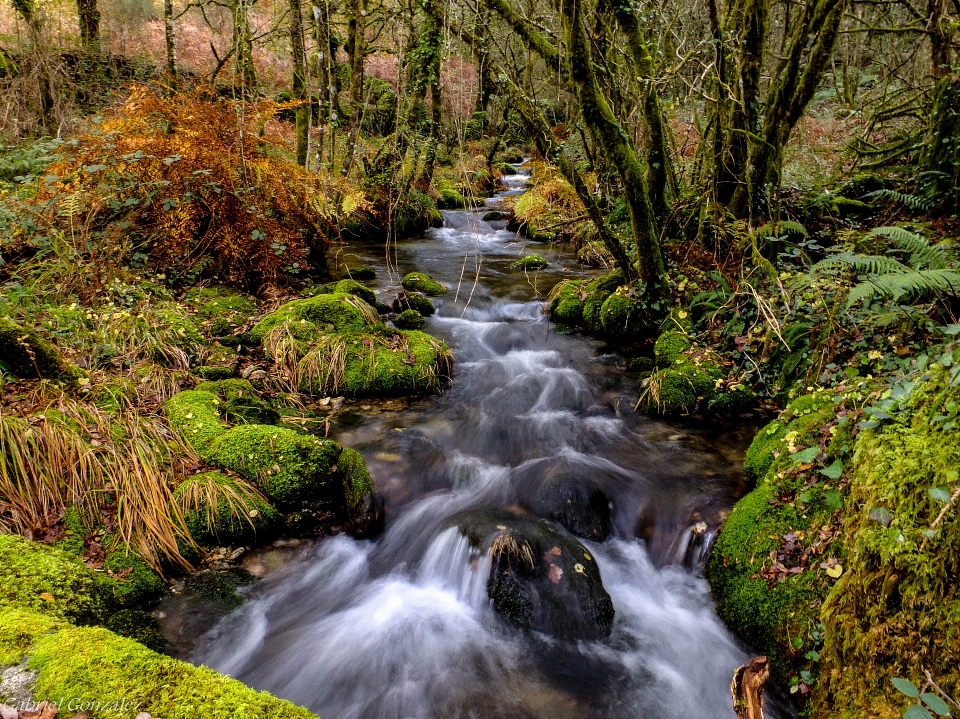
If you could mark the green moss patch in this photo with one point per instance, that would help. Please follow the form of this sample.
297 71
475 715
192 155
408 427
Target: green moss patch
530 262
196 416
292 469
92 665
359 496
420 282
26 354
409 320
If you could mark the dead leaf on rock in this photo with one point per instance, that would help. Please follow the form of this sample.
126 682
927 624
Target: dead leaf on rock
556 574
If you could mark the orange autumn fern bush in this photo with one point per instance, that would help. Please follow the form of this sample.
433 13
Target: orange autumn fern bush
193 185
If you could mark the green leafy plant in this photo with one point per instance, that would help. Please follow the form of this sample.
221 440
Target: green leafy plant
929 701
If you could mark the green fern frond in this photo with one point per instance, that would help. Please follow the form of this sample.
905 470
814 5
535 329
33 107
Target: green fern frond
863 264
780 228
908 287
922 253
917 203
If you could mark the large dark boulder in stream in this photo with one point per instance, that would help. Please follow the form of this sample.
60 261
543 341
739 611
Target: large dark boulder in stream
541 578
576 502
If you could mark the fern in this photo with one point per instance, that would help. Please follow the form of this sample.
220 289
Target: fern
909 287
863 264
917 203
780 228
922 253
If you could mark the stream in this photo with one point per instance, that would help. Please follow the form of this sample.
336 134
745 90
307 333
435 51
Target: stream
401 627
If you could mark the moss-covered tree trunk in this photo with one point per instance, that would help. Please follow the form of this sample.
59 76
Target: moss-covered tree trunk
661 180
940 159
298 85
244 73
356 48
431 43
616 145
88 14
794 83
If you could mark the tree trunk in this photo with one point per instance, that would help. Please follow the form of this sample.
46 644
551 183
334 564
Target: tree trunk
244 71
940 158
356 50
539 128
432 42
89 16
661 181
616 146
171 47
298 85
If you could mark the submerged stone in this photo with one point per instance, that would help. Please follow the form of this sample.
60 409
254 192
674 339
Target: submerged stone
541 578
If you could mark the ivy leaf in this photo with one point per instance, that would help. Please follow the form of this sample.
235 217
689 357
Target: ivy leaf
806 455
834 470
906 687
936 704
941 494
881 515
834 500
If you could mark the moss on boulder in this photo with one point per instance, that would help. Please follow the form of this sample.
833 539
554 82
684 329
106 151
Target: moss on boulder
764 569
566 305
359 495
51 581
240 403
530 262
670 347
334 312
623 318
94 665
292 469
196 416
220 511
28 355
352 287
420 282
139 626
220 310
409 320
413 301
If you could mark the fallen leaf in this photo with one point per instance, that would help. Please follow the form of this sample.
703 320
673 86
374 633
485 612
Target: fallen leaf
835 571
47 597
555 574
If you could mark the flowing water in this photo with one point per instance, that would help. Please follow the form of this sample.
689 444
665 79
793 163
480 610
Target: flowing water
401 627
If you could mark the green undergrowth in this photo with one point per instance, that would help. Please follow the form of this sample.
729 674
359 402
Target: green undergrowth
840 565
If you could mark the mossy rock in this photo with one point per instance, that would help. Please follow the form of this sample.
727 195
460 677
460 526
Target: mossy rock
292 469
136 584
624 318
413 301
670 347
352 287
214 372
142 627
513 155
415 215
362 273
51 581
679 389
239 518
94 667
27 355
240 402
409 320
114 395
495 216
408 362
566 307
420 282
359 494
530 262
220 310
334 312
896 608
449 196
733 400
640 364
195 415
766 613
541 577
